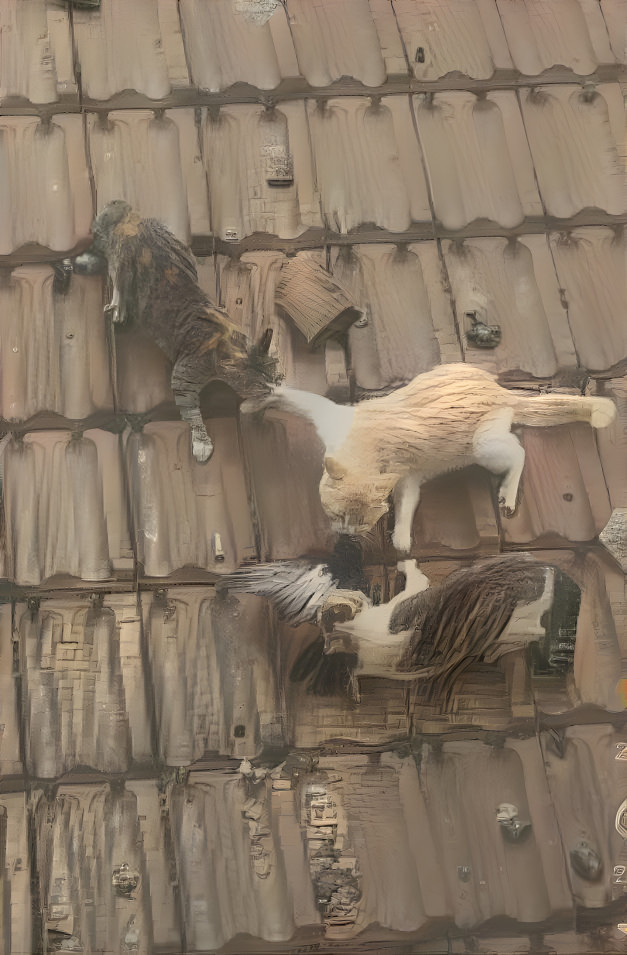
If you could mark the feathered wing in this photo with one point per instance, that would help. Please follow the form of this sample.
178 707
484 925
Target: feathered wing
297 589
458 622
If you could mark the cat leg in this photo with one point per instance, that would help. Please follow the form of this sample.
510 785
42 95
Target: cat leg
187 397
113 308
124 305
406 496
500 451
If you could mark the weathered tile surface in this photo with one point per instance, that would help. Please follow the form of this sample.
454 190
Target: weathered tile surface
401 147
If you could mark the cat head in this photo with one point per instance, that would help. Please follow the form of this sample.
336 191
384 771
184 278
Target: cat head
353 501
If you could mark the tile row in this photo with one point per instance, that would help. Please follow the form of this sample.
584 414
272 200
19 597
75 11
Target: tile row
95 504
419 304
454 157
115 681
158 47
310 850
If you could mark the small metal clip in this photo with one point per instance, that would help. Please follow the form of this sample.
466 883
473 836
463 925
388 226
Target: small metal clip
481 335
62 276
464 873
218 550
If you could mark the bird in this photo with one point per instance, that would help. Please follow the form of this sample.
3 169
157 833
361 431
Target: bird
425 633
307 591
482 335
155 287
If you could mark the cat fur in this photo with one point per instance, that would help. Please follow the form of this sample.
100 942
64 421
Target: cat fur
155 288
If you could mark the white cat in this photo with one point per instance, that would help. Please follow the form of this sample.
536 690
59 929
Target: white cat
444 420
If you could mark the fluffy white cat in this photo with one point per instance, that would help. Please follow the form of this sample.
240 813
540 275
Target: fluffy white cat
444 420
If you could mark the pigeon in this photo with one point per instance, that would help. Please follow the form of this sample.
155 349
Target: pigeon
431 634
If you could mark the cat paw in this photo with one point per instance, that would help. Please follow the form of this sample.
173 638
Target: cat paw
202 447
113 312
506 507
401 541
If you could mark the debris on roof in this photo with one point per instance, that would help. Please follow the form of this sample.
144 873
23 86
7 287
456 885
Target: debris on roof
387 187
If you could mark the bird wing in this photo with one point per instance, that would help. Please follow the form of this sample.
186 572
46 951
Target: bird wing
409 614
458 622
297 589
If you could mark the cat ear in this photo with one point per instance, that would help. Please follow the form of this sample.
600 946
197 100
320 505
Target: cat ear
334 469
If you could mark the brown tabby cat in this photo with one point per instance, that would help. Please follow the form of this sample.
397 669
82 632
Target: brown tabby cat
155 286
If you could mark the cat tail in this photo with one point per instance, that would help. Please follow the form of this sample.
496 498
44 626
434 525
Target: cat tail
547 410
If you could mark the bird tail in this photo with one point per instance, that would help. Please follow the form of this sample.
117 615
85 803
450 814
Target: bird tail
297 589
544 411
324 674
